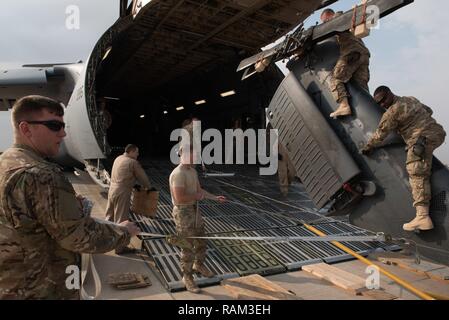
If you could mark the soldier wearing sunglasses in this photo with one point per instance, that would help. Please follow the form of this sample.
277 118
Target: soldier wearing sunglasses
42 226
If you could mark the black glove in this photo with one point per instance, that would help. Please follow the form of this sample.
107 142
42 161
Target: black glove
367 150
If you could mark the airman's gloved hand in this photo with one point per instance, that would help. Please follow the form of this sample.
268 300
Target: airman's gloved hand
367 150
132 228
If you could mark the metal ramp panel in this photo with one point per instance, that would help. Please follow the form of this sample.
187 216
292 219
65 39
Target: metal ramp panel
257 216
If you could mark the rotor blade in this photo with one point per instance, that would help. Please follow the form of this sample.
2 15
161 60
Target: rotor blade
248 73
326 30
344 22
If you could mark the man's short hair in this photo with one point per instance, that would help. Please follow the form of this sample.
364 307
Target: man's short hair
130 148
29 106
327 11
382 90
186 122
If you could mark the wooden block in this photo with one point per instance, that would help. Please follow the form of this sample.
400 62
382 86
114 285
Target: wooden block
362 31
439 274
379 294
340 278
432 270
256 287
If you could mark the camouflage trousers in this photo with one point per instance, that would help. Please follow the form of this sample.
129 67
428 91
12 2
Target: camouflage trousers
350 66
286 174
189 223
420 170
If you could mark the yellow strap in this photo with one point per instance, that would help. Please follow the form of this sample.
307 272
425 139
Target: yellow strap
398 280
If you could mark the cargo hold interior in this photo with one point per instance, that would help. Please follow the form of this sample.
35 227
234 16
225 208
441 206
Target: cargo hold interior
176 59
217 97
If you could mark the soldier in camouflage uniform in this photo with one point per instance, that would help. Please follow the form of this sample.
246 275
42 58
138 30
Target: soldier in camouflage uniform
422 134
186 191
286 169
42 226
352 64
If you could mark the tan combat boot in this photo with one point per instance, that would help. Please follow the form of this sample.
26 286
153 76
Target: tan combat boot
344 109
203 271
190 284
421 222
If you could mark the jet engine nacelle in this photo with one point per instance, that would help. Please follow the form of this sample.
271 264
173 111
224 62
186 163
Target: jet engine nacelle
81 142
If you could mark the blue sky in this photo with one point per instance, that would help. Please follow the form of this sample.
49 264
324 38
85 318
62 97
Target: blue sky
409 50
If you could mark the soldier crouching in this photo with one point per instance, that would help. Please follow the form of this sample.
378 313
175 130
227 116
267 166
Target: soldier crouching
414 122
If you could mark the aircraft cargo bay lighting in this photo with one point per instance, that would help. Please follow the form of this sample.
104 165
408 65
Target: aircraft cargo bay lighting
227 93
199 102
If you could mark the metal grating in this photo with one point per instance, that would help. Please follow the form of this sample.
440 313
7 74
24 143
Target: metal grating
315 150
255 216
439 202
170 270
247 257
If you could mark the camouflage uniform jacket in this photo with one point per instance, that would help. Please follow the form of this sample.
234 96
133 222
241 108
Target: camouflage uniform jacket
409 118
350 43
42 228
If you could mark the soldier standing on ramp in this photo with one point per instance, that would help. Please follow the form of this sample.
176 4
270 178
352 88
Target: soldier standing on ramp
186 191
126 170
286 170
352 64
422 134
42 226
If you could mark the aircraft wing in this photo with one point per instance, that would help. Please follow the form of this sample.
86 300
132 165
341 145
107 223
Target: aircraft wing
169 39
25 77
53 80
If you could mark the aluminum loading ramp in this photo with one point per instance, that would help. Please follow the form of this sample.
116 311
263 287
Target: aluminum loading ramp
254 216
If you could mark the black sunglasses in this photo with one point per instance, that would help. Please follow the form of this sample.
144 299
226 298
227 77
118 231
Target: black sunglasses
384 98
53 125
